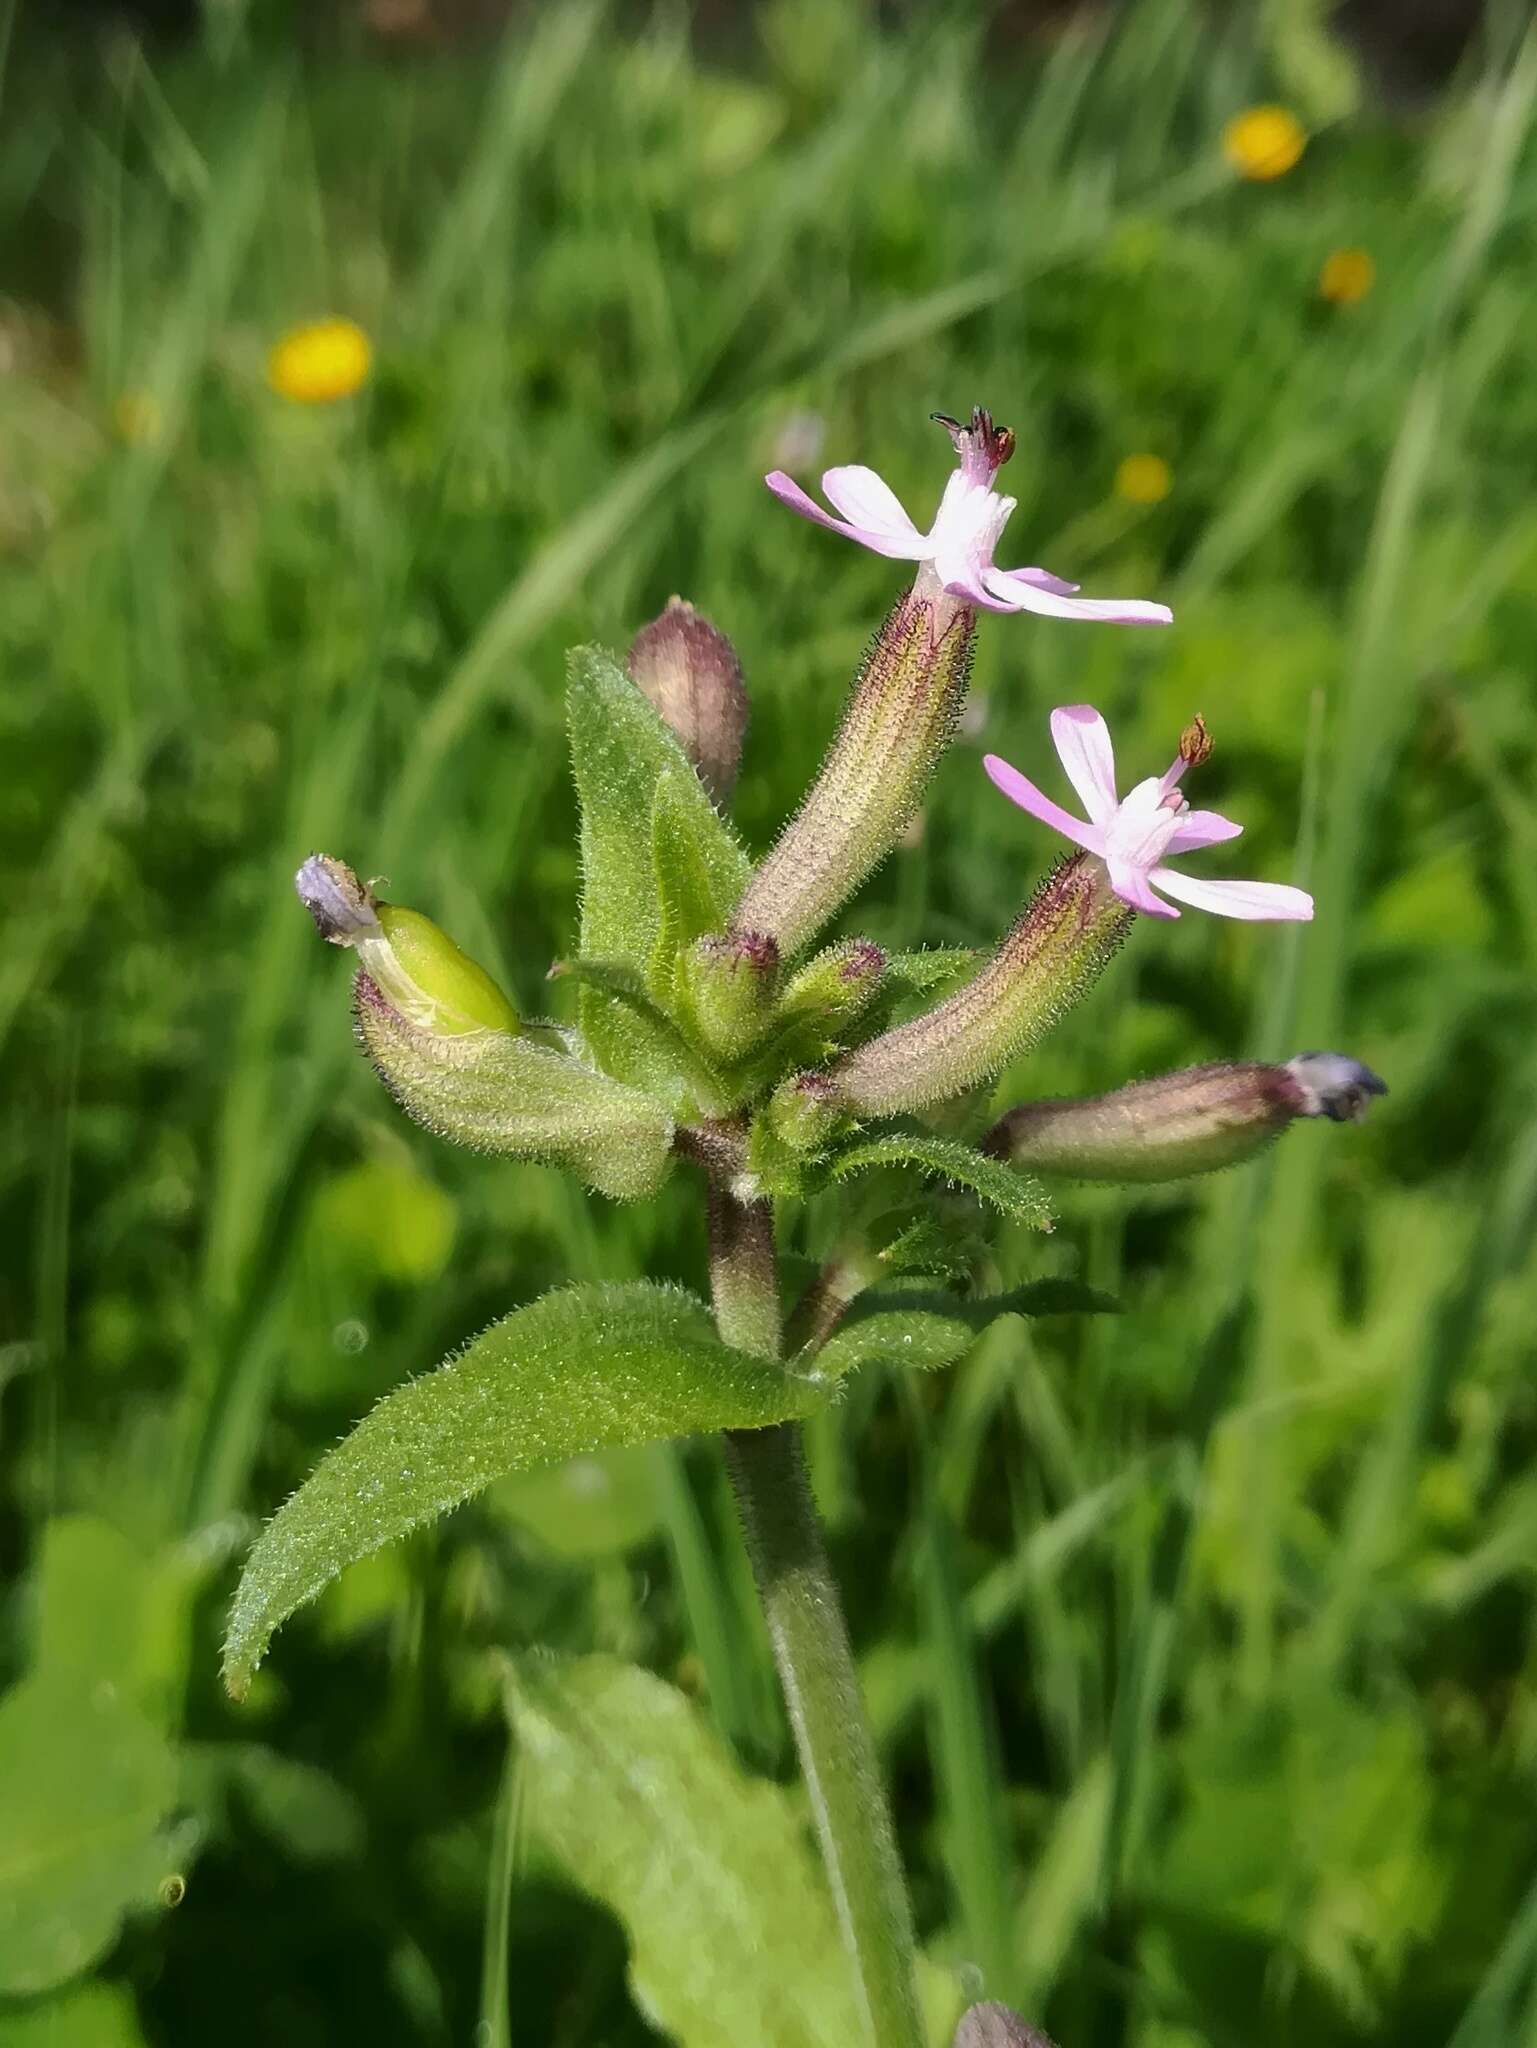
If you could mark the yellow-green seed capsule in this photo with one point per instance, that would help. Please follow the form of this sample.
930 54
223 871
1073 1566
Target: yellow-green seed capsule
426 969
414 965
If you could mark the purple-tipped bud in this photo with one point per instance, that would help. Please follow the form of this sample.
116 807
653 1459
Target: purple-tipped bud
994 2026
690 672
805 1114
1055 951
1194 1121
835 987
903 710
728 984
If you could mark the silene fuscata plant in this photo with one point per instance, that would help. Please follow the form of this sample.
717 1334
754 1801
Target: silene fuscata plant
719 1033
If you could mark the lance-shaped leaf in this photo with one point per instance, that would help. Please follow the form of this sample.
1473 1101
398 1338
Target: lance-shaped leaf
87 1787
1012 1193
589 1367
733 1939
501 1093
930 968
622 756
695 1088
699 870
930 1330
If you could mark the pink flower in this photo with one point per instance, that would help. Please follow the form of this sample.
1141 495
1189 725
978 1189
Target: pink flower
957 551
1132 835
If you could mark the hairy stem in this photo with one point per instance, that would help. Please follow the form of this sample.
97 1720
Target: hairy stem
811 1647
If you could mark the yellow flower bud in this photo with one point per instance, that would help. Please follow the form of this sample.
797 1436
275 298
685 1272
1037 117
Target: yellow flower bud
1143 480
1347 276
138 418
1264 142
326 360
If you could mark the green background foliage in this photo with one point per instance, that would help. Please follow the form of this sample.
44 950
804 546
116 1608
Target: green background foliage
1197 1636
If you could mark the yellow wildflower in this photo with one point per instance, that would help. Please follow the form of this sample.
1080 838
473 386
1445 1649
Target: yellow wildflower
1347 276
326 360
1143 480
1263 142
138 418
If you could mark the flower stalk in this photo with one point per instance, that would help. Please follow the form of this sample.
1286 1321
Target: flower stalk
811 1647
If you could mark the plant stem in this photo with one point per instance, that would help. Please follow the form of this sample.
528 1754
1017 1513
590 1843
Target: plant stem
811 1647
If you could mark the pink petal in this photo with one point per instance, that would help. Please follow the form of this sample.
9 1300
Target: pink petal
1082 741
1043 580
868 501
1255 901
1201 828
1113 611
789 492
1023 792
960 580
1130 883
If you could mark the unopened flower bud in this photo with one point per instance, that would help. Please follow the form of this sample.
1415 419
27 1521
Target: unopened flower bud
804 1113
1055 951
1193 1121
690 672
728 984
906 700
414 964
837 985
994 2026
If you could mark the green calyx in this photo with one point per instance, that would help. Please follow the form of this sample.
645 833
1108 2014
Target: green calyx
498 1092
901 714
1050 958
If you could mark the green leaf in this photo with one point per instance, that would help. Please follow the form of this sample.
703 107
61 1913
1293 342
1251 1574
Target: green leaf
911 978
589 1367
930 968
929 1331
699 869
1013 1193
108 1614
94 1598
86 1785
622 754
732 1935
934 1247
85 2016
691 1084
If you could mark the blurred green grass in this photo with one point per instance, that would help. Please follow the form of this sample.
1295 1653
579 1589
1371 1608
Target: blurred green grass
1198 1639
